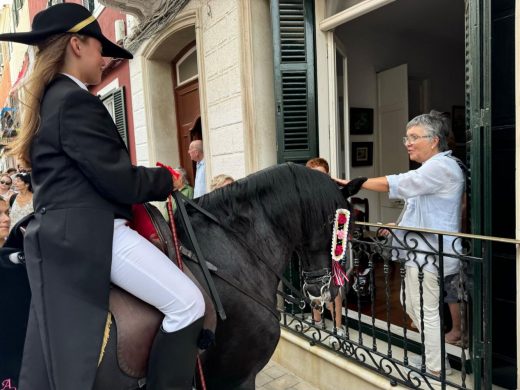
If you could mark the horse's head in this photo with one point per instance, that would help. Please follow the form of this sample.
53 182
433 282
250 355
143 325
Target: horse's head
280 210
318 274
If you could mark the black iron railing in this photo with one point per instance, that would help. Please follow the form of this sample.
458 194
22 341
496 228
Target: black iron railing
376 330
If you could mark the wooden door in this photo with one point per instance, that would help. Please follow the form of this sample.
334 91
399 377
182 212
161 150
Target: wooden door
188 123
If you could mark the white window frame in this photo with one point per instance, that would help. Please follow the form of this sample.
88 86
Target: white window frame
181 60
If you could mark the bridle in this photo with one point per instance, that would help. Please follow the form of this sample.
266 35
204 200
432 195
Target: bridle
321 277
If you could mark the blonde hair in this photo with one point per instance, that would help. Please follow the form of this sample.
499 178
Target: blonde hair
50 58
220 181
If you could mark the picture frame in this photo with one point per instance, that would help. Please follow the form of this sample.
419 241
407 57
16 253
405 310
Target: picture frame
361 121
362 154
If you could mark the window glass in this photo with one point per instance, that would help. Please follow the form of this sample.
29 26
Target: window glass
187 67
109 104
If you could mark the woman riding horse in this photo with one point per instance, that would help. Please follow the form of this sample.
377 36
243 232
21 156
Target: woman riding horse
79 241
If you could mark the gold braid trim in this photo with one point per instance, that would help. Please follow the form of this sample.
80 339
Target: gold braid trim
106 335
82 24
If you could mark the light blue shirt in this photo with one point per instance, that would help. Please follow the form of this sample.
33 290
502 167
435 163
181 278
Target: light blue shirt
432 195
200 180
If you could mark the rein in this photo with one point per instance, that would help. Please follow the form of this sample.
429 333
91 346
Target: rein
180 200
181 207
323 276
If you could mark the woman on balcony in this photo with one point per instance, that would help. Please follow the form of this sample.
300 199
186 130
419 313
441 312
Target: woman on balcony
432 195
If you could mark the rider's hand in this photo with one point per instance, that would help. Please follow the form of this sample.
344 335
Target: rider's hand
175 174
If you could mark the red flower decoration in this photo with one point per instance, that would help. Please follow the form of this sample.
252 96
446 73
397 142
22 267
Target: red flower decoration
339 250
342 219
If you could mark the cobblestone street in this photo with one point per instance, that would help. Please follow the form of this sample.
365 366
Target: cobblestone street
276 377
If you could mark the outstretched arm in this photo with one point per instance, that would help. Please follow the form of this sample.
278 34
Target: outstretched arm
378 184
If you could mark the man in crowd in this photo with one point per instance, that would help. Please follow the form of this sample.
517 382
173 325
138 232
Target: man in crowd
197 154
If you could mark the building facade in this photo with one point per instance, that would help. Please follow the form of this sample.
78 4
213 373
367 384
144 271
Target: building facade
289 80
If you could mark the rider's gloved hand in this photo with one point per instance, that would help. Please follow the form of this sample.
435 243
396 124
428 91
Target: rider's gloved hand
175 174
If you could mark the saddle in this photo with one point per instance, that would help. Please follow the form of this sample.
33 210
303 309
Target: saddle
137 322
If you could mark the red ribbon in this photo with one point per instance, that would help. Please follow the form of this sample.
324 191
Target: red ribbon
338 275
173 172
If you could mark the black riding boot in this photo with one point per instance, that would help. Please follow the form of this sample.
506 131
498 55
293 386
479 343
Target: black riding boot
172 359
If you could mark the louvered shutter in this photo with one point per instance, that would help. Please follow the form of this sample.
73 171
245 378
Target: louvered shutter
294 71
120 113
115 103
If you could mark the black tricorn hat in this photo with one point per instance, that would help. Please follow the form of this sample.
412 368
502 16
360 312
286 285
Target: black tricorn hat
66 18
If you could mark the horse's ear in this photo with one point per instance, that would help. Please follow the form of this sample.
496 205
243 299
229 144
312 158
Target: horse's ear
353 187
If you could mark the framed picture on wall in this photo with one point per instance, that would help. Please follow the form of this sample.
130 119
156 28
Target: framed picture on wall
361 121
362 154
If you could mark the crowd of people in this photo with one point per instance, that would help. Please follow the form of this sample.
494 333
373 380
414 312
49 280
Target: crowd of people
14 184
16 197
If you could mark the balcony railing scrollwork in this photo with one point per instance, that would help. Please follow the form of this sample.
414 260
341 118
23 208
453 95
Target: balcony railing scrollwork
376 329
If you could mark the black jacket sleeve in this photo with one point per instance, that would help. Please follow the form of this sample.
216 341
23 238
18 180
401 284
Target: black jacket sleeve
89 137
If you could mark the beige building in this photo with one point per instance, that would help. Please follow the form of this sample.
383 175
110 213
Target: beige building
213 61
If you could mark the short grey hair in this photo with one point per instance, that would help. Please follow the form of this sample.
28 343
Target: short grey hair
183 173
435 125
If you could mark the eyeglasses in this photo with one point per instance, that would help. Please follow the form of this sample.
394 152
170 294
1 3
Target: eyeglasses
411 139
5 182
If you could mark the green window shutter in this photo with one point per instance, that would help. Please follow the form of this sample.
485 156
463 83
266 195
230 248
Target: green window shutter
115 103
294 74
120 113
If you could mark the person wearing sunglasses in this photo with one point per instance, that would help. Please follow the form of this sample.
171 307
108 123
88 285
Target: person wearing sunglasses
5 187
433 200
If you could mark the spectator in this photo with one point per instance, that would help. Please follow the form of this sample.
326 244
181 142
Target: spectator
5 187
11 172
14 301
454 336
181 184
197 154
220 181
432 195
320 164
21 202
5 221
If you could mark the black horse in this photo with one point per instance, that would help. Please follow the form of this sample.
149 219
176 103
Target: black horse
263 220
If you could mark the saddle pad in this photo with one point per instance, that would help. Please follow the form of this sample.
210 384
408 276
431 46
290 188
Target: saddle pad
137 324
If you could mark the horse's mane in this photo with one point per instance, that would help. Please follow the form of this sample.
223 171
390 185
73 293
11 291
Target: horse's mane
290 196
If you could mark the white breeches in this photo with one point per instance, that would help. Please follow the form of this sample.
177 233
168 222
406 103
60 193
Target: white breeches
145 272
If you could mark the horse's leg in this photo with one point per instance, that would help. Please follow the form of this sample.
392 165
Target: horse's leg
109 375
244 344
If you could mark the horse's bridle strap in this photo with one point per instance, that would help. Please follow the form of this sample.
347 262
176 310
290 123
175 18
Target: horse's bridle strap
181 208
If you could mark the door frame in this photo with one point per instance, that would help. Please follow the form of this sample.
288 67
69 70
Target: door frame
333 45
188 85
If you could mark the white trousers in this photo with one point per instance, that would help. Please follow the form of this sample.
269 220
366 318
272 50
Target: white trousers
432 319
145 272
